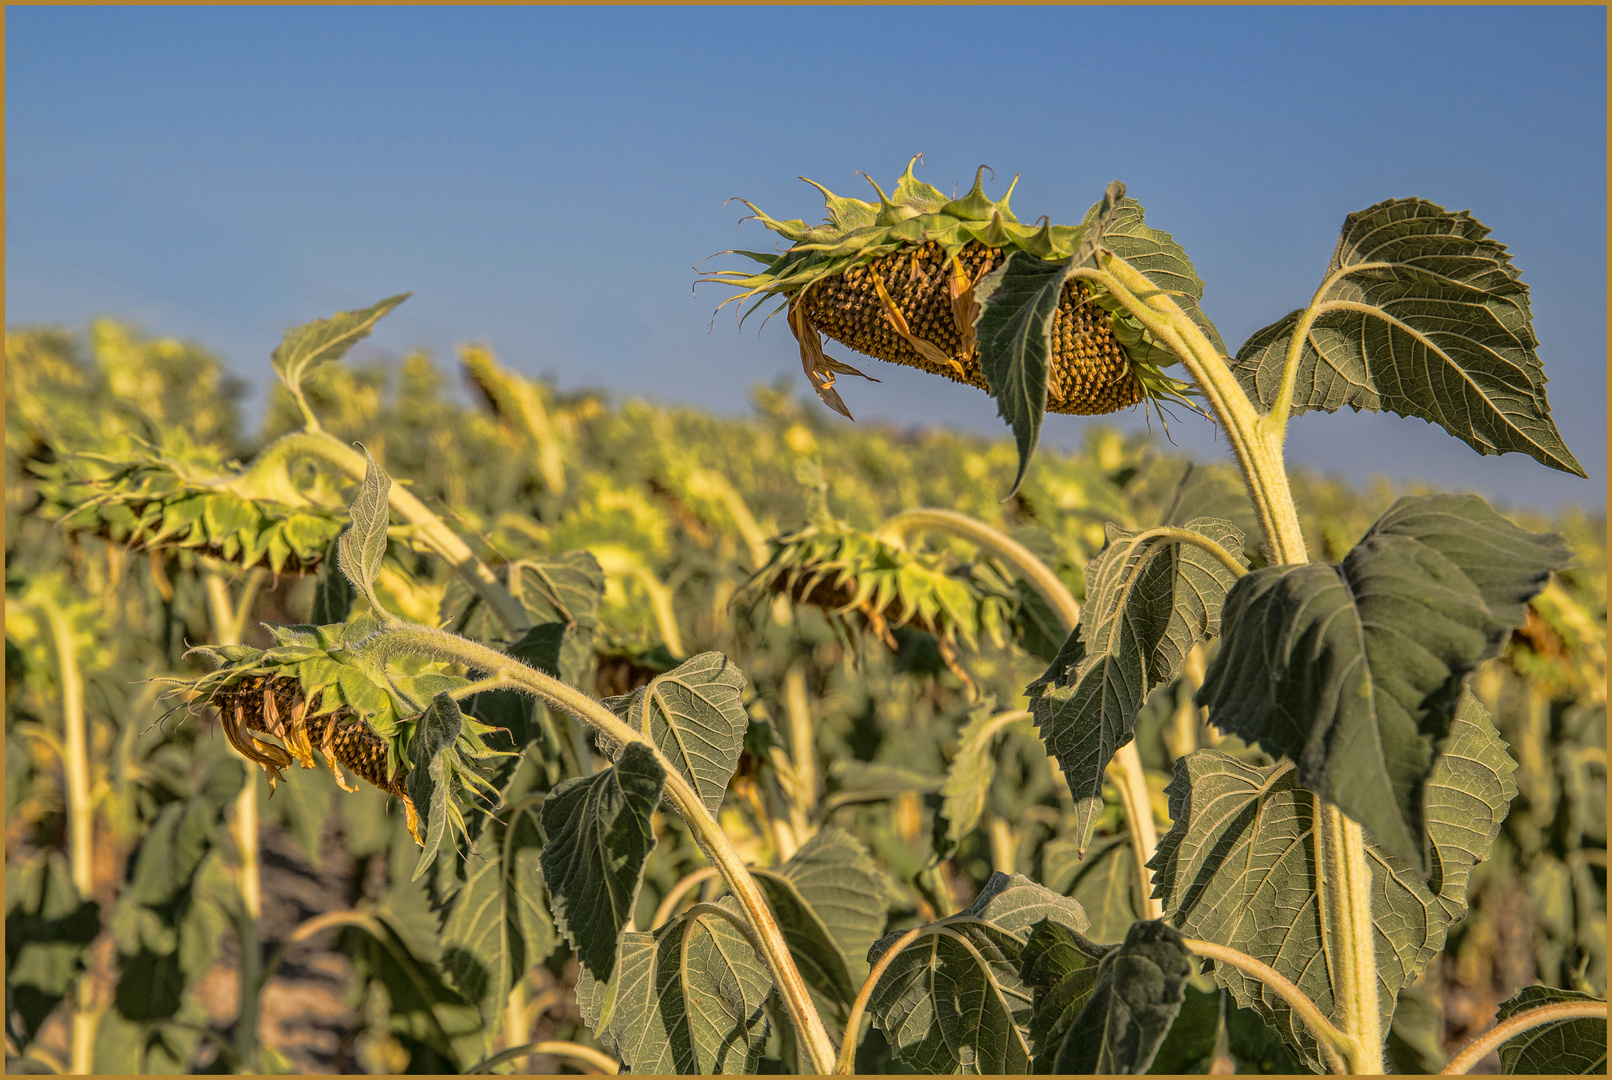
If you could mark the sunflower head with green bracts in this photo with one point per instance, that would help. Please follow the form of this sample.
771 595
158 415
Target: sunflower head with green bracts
316 690
899 280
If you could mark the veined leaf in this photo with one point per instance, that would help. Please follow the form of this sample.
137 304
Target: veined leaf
1238 868
325 340
1422 315
953 1000
830 902
562 595
1563 1048
1149 599
1104 1010
1014 328
498 926
598 839
695 715
1353 671
362 546
686 999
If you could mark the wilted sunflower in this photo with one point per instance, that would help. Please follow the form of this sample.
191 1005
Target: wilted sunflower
896 280
313 691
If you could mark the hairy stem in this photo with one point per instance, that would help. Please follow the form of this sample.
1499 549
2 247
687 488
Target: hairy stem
1332 1041
442 645
1258 455
433 531
1346 923
1484 1044
1346 907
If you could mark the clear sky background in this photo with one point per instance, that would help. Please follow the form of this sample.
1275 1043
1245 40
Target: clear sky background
545 179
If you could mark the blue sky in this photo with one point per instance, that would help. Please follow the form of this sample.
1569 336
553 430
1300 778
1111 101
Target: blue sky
544 179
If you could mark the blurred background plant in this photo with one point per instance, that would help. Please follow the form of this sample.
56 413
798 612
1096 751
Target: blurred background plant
165 914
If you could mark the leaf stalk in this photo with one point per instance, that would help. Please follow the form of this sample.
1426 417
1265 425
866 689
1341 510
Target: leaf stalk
1480 1048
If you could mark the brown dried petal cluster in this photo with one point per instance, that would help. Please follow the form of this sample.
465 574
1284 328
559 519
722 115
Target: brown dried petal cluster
275 706
1089 373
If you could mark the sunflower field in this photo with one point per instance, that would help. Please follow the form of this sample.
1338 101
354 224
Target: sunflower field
236 842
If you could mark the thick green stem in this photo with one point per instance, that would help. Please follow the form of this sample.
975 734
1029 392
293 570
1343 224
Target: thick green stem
1346 907
428 641
1346 923
575 1051
1258 454
433 531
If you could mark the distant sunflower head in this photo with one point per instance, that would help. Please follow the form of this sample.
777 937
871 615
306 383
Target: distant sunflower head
314 692
896 280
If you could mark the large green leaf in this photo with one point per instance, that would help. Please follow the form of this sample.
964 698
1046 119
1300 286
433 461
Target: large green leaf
1104 1010
686 999
598 840
1238 867
953 1000
498 927
325 340
1149 600
1422 315
1353 671
695 714
830 901
1561 1048
1014 328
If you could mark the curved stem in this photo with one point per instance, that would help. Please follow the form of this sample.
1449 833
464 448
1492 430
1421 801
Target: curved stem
429 641
1479 1048
433 532
1259 456
668 906
1333 1042
845 1065
1198 540
715 485
576 1051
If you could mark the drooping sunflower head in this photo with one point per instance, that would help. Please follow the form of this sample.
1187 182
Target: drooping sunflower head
314 690
896 280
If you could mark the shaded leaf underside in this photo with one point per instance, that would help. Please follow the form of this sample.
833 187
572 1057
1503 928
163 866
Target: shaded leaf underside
1240 868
